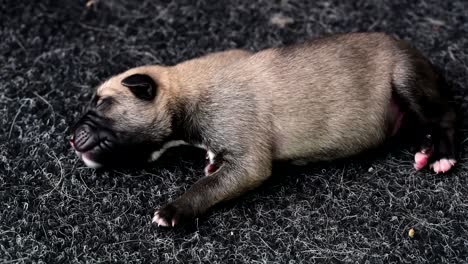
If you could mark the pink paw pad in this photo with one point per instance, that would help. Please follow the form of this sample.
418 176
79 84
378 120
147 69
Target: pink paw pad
443 165
420 160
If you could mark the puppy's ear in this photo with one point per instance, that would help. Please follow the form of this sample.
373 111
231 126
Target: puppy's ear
141 85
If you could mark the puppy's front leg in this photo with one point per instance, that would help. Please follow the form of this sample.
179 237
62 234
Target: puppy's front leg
235 176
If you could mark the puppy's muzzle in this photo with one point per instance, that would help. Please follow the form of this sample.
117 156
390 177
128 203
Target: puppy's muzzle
91 140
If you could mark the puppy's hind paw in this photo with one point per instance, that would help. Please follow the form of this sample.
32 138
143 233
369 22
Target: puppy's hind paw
443 165
420 160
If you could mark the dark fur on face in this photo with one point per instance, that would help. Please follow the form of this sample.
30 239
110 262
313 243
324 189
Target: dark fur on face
321 100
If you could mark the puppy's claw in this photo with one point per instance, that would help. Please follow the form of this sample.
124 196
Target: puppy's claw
172 215
158 220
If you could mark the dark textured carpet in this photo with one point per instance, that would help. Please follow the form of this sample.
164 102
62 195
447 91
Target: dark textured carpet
53 209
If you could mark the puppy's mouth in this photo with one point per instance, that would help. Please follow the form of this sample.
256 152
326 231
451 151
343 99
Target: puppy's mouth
92 146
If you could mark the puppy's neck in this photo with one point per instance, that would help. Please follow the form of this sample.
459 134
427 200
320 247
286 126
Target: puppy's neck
191 83
192 79
186 87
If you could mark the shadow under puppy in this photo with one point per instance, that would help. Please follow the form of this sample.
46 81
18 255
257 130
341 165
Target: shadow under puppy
325 99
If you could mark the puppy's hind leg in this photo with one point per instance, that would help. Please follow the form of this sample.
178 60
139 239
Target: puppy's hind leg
421 89
438 145
444 149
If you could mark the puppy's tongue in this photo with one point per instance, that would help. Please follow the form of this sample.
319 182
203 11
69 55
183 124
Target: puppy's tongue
87 161
72 143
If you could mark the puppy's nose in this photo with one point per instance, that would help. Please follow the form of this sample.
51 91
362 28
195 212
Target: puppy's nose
84 138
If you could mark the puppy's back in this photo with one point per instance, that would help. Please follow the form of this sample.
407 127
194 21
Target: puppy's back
326 98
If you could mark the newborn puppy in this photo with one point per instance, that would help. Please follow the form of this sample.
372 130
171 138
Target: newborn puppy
325 99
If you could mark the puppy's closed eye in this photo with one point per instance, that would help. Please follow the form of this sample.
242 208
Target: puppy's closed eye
104 103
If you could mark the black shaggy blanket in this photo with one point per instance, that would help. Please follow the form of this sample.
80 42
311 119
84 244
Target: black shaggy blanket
55 210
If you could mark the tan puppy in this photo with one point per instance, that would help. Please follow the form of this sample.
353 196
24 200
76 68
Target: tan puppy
325 99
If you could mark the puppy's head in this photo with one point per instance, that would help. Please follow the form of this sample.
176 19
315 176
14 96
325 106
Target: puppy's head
128 119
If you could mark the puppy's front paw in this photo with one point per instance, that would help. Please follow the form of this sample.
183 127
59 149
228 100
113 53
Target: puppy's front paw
172 215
